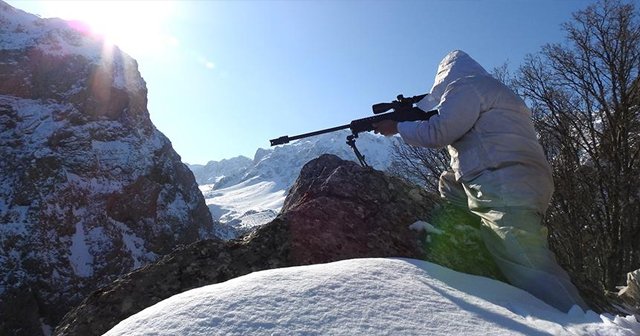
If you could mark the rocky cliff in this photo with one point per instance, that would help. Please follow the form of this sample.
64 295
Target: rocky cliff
336 210
89 188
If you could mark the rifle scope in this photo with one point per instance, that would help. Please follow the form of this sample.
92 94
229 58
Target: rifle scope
401 104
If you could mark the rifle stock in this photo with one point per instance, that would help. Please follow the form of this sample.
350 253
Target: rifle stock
366 124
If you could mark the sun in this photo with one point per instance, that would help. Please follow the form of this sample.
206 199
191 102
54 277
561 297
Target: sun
137 27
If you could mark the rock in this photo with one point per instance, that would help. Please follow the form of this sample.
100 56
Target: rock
89 188
339 210
192 266
336 210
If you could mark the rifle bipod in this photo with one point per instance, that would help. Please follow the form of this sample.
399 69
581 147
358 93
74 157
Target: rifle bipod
351 141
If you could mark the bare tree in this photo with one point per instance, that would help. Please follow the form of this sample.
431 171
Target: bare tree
585 97
419 165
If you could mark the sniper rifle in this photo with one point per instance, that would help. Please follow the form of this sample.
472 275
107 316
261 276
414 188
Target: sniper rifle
403 110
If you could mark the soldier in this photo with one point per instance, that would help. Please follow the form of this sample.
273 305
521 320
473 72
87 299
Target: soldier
499 172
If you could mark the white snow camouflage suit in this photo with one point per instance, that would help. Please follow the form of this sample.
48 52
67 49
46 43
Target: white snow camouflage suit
500 172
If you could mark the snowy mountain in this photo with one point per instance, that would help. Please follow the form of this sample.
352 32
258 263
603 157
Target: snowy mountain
89 188
243 195
214 171
365 297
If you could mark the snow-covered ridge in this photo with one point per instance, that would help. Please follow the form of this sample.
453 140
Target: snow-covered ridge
365 297
214 171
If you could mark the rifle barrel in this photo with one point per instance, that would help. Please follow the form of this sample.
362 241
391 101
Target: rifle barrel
285 139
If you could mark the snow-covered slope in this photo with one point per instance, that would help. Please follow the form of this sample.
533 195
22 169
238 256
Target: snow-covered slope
253 195
365 297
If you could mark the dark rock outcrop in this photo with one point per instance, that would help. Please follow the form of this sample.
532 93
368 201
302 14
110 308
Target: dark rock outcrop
336 210
89 188
339 210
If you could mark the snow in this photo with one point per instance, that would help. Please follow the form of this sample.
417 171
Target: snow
424 226
135 246
246 205
244 197
249 195
46 329
365 297
37 121
79 256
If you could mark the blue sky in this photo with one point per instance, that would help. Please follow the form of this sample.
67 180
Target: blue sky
224 77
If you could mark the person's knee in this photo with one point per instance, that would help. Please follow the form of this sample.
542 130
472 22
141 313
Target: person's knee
514 238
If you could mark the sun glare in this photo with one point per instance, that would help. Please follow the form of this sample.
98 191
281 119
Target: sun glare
135 26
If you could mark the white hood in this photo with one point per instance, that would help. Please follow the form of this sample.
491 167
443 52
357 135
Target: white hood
457 64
